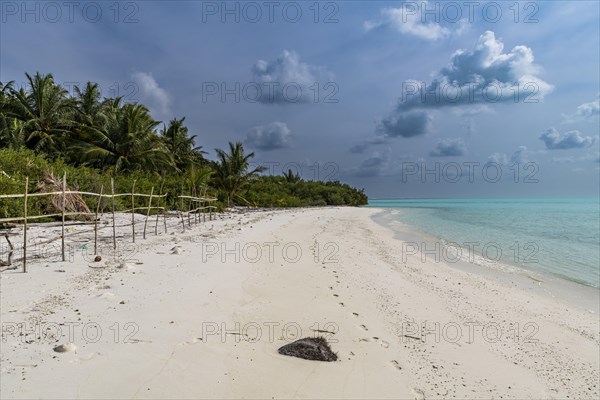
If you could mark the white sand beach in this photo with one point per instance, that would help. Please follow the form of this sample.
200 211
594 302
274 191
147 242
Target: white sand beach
201 314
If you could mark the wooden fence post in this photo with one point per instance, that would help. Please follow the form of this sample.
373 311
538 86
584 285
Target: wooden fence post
165 213
190 209
112 190
148 213
25 226
196 207
133 211
158 204
64 205
96 222
181 209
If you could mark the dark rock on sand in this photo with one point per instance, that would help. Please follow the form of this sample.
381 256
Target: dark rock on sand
316 349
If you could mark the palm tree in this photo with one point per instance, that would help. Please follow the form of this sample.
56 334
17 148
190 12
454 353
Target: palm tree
291 177
45 111
232 172
181 146
88 106
12 134
197 179
127 141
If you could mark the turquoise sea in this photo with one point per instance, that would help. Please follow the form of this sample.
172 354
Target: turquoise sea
560 236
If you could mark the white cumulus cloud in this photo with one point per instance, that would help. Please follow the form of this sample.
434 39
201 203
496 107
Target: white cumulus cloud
555 140
408 19
584 111
152 95
483 75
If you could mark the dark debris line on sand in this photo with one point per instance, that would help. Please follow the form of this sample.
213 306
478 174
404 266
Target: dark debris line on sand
316 349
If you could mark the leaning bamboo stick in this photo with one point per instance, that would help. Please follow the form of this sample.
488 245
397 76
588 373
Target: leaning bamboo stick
158 202
181 209
25 226
148 213
195 211
189 210
165 214
18 196
133 211
64 205
199 198
96 222
112 187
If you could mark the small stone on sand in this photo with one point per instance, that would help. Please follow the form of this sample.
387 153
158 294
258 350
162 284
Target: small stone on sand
65 348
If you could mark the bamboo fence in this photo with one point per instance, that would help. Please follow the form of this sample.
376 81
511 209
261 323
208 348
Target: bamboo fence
196 205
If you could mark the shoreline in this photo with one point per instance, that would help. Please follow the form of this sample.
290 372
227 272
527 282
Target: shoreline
194 315
575 293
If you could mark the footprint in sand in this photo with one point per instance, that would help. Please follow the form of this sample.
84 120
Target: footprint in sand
396 364
385 344
191 341
341 304
355 314
84 358
101 287
418 393
364 327
336 295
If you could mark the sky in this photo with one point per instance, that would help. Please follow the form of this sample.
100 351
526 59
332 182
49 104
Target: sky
403 99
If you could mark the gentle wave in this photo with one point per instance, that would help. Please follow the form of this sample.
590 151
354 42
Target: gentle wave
560 236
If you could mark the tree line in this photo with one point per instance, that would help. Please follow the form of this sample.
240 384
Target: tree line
106 136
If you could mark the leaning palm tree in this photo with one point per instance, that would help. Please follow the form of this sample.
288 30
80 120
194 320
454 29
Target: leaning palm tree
45 112
232 170
127 141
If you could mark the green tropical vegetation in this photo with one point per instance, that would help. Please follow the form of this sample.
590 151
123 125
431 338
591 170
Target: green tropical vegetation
45 130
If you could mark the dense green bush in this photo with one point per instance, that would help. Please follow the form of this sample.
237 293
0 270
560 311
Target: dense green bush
276 191
16 165
262 191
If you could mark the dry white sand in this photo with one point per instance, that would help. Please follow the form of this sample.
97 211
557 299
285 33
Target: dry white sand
201 314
